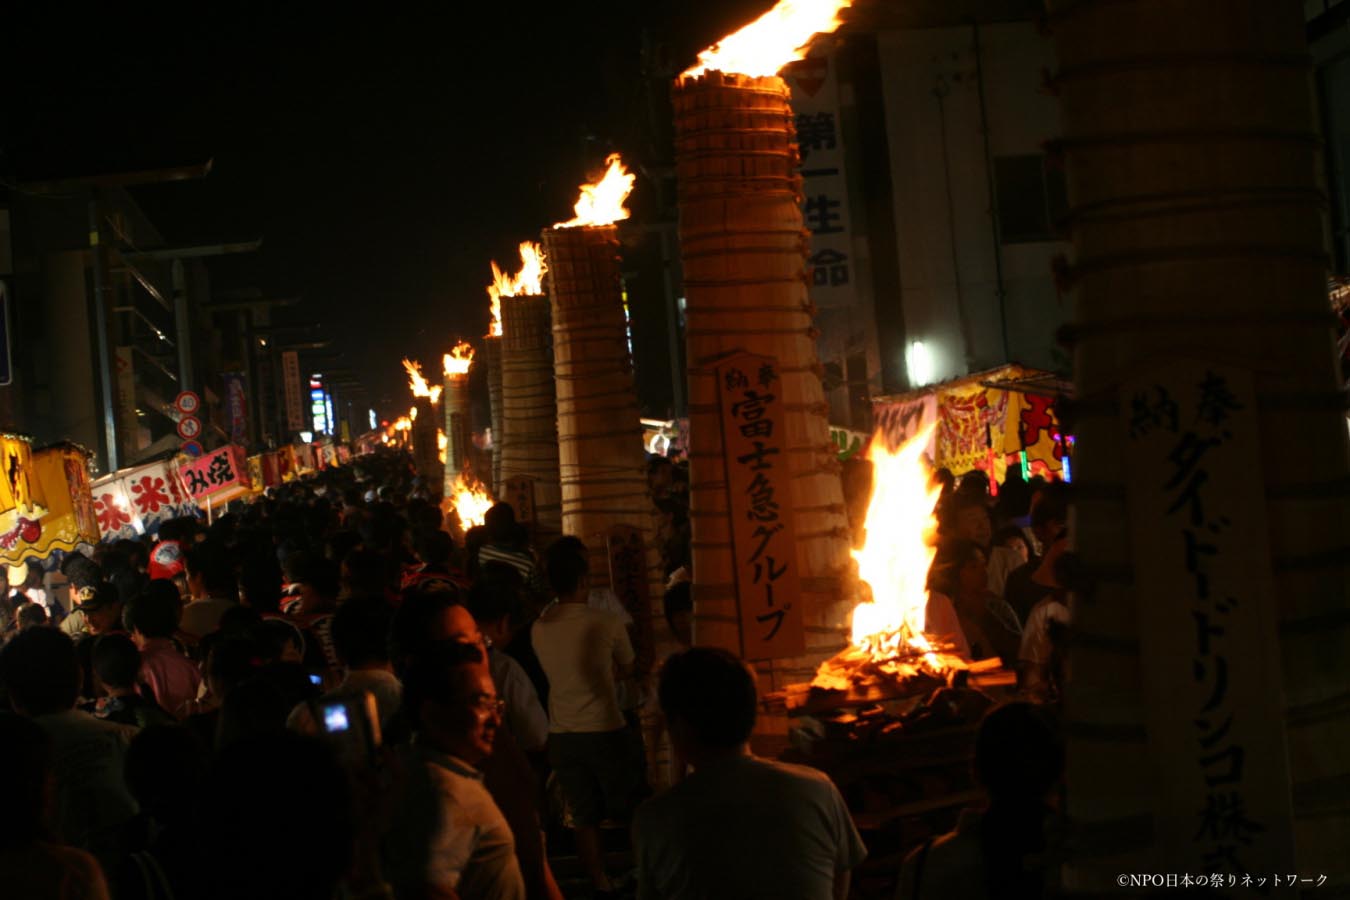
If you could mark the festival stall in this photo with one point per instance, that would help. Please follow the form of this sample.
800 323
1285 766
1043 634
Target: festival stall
136 501
985 421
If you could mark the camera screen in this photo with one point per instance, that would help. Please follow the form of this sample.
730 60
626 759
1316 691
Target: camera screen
335 718
316 680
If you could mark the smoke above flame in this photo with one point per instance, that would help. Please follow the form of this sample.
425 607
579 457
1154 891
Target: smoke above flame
418 385
780 36
458 360
529 281
601 202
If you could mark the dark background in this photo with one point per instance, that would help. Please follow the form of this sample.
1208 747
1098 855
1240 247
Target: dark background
383 156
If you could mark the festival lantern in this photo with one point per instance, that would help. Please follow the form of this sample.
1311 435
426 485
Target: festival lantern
61 475
744 248
528 281
21 498
529 445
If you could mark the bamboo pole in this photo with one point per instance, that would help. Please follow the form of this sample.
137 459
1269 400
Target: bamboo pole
744 248
1191 152
529 408
457 403
492 356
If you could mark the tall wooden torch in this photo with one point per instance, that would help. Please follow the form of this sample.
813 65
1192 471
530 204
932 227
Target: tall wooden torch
529 451
1209 660
528 281
458 409
770 533
605 494
603 465
426 424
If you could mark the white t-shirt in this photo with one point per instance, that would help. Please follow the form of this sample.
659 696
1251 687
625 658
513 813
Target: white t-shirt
578 648
525 715
1036 633
747 828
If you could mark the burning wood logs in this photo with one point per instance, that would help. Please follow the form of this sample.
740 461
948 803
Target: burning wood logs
744 251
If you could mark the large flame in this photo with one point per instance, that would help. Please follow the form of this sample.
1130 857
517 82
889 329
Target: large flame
441 443
775 39
471 500
601 203
458 360
418 384
897 551
529 281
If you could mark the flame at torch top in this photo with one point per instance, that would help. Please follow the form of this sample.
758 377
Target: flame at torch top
601 203
528 281
775 39
458 360
418 384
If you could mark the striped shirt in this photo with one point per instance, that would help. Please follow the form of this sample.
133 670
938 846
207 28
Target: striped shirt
519 560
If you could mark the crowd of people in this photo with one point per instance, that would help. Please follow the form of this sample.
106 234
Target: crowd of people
999 581
321 694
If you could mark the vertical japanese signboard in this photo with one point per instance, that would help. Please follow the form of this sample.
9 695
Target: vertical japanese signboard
124 383
1207 620
759 498
825 207
290 378
236 406
520 494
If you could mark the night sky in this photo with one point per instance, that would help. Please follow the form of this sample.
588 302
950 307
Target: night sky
384 157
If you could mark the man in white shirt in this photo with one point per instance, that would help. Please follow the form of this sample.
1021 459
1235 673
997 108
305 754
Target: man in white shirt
738 826
450 838
582 650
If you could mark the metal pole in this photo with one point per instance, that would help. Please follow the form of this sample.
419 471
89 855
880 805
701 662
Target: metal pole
183 327
99 260
669 260
993 192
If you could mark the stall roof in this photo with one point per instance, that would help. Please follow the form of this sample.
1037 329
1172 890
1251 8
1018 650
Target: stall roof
1011 377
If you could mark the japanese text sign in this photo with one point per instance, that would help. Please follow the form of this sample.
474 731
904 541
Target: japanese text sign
1207 620
759 495
825 201
220 476
519 493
